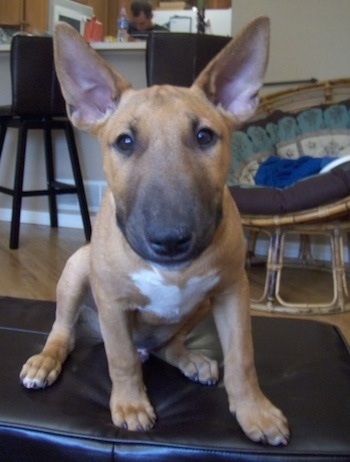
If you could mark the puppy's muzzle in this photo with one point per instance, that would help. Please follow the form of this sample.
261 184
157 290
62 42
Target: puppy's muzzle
170 219
170 235
167 245
171 243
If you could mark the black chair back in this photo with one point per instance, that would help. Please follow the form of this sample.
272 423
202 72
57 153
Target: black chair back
177 58
35 88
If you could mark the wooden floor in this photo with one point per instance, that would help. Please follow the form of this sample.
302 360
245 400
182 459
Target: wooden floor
32 271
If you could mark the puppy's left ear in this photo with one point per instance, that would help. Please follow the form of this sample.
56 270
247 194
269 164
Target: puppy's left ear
234 77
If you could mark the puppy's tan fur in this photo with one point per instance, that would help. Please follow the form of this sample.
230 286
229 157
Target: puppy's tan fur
167 244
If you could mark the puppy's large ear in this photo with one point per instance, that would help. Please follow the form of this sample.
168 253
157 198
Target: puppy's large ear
234 77
90 86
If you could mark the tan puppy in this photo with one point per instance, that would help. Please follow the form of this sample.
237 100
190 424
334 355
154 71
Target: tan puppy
167 244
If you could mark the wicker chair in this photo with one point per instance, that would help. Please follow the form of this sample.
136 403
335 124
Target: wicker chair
326 216
297 98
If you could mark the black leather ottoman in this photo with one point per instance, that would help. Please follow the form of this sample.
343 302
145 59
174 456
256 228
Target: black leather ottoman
303 366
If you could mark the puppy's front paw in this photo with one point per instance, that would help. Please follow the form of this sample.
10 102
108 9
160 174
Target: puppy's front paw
263 423
40 371
199 368
134 416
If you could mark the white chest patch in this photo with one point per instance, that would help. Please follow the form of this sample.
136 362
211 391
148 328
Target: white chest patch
168 300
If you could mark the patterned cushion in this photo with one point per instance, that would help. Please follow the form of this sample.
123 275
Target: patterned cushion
330 143
319 131
250 146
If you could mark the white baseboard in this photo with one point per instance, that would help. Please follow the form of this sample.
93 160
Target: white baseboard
72 219
67 204
66 220
69 217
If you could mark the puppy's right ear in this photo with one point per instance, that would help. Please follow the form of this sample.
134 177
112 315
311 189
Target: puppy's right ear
234 77
90 86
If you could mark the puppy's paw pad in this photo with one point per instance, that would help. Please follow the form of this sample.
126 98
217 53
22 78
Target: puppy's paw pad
33 384
134 417
264 424
200 368
39 371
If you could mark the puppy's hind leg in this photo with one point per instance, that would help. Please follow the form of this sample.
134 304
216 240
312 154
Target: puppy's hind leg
43 369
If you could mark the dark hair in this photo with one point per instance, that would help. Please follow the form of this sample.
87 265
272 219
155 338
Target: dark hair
141 6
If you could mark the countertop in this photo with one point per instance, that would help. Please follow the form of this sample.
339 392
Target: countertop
101 46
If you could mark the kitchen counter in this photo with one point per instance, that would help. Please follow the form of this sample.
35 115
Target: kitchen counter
128 58
125 46
102 46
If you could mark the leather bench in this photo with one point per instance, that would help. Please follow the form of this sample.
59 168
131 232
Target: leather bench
303 366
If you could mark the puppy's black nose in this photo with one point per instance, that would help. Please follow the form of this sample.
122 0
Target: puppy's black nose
171 243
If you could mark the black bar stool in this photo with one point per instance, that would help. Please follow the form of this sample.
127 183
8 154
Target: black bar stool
37 103
177 58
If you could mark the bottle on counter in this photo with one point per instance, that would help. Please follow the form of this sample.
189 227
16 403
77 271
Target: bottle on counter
122 25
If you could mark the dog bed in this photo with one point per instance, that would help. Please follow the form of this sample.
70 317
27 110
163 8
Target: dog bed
303 366
316 133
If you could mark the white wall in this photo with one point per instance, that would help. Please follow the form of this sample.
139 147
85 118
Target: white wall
220 20
309 38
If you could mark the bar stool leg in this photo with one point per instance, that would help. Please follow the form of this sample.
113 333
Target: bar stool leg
73 153
18 187
3 130
50 175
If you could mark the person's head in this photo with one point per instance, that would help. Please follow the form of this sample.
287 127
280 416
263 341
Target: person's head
141 11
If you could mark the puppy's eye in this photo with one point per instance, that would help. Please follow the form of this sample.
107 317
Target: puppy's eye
206 137
125 144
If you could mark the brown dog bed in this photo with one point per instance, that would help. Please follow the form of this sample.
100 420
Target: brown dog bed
303 366
312 192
